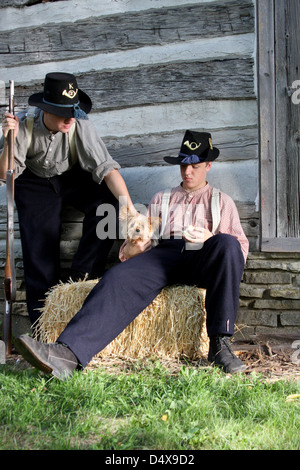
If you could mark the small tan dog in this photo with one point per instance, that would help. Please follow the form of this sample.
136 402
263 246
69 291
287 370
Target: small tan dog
137 227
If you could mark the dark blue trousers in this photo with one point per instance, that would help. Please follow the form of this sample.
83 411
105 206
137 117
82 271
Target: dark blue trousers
39 203
129 287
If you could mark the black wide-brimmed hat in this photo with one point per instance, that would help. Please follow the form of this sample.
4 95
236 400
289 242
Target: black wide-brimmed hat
62 97
196 148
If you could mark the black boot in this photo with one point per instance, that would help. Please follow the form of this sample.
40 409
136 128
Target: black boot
56 359
220 354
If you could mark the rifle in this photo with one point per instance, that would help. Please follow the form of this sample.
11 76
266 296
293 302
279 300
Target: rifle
10 274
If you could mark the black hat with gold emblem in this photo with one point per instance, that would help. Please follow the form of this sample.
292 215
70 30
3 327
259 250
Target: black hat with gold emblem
62 97
196 148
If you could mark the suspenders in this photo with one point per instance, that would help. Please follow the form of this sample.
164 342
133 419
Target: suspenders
164 210
215 210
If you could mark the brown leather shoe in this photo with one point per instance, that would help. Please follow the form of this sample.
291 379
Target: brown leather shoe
54 358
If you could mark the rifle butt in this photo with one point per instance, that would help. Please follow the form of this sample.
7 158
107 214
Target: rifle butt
7 317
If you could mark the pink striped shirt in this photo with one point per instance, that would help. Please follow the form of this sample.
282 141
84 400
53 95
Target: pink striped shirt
194 208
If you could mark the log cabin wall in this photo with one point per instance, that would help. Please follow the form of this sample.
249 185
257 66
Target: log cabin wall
153 69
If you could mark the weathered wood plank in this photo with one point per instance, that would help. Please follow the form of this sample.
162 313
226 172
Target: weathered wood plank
126 31
176 117
41 13
278 27
217 79
203 49
168 117
266 63
280 245
16 3
150 149
287 25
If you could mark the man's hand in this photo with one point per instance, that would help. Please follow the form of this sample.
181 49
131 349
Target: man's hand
10 123
134 249
196 234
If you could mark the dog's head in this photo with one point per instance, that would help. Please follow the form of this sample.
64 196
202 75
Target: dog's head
138 226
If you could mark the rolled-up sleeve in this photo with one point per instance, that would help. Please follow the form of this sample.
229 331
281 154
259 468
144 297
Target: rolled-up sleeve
92 153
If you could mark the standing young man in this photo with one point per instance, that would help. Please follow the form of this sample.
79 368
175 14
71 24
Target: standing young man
59 158
128 288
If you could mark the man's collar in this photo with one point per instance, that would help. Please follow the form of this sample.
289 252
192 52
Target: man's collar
196 191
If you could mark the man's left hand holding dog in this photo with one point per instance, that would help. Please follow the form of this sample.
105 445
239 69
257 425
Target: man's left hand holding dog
133 249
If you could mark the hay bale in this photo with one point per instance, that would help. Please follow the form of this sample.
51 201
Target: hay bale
172 326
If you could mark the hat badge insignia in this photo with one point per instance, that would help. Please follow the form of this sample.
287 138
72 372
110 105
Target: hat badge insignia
192 145
71 93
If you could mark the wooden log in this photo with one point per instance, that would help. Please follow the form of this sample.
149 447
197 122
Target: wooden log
149 149
125 31
216 79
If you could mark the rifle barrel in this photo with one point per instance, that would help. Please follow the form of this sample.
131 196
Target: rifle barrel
11 139
11 96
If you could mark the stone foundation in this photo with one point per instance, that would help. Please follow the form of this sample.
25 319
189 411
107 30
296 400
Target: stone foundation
270 295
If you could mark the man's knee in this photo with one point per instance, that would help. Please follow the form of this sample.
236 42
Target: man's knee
227 246
227 241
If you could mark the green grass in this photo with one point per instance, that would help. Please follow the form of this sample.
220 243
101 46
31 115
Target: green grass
146 407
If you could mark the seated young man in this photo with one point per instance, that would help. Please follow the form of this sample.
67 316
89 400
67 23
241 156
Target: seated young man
216 264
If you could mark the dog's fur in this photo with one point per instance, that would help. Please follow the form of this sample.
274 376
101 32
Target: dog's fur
139 227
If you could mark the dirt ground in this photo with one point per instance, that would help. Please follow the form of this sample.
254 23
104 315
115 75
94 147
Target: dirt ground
272 357
273 360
